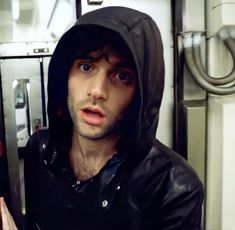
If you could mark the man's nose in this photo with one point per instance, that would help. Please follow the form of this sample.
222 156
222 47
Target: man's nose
99 86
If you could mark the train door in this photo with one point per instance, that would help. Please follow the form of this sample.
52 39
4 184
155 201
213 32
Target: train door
24 81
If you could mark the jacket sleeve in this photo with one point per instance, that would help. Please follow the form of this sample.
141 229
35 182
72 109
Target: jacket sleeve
31 168
183 211
29 189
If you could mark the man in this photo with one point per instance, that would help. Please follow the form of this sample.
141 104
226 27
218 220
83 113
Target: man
99 165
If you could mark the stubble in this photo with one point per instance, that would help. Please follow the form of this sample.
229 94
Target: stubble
112 124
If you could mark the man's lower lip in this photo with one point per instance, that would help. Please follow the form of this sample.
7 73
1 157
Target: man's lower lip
92 119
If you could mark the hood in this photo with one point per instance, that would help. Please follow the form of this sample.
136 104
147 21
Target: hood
142 36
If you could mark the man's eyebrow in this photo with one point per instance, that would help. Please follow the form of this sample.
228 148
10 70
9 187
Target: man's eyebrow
85 56
125 64
120 64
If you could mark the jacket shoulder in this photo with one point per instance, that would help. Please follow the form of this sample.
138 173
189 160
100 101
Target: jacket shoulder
36 146
179 170
39 139
183 190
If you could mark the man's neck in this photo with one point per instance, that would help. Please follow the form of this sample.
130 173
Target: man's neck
88 156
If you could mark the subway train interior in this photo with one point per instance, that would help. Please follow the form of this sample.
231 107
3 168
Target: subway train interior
197 117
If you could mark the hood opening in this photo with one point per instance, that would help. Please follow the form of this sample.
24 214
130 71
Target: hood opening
78 43
141 37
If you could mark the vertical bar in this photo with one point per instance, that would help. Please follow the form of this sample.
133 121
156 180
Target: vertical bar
178 135
4 176
44 116
78 8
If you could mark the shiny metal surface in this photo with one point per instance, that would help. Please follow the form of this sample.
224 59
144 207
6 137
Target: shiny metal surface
195 118
27 70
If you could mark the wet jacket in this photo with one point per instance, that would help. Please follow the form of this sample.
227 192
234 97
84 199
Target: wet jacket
146 185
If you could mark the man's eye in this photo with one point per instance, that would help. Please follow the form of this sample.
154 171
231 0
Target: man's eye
122 76
85 67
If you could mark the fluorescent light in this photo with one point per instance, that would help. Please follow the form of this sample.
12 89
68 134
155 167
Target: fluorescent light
15 9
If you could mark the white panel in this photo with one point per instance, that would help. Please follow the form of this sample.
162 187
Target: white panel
193 15
214 166
215 3
220 14
26 48
220 201
160 11
228 185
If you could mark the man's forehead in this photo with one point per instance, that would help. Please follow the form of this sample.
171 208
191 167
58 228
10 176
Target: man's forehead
108 51
114 57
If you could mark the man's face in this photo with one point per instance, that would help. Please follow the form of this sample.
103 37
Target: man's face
100 91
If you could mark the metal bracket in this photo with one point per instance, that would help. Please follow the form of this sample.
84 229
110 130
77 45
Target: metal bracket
94 2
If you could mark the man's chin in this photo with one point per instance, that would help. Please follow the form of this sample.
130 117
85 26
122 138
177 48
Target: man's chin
98 135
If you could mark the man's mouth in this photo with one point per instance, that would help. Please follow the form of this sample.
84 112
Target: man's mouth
93 112
92 116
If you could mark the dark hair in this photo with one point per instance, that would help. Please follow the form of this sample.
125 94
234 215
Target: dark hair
95 38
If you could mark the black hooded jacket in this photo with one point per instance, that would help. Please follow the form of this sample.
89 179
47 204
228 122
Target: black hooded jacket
146 186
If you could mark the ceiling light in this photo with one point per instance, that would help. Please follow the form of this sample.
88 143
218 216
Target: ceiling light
15 9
